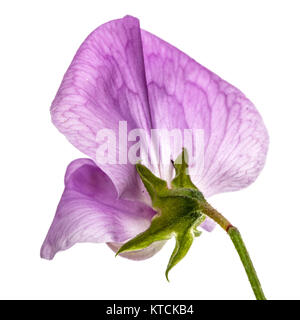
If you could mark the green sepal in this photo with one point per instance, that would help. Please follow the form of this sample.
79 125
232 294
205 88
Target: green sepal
178 211
182 178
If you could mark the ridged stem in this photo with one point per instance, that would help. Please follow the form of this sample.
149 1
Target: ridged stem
240 247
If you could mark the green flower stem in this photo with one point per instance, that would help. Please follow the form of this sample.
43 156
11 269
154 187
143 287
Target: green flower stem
211 212
238 242
240 248
181 209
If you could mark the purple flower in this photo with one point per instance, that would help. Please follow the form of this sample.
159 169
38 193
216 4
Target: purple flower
123 73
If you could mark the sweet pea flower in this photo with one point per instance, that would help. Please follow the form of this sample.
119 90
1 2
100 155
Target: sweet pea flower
124 73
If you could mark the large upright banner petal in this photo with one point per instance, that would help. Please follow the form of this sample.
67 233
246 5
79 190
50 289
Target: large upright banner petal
183 94
105 84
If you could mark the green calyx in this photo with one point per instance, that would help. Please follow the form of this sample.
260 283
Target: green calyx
178 211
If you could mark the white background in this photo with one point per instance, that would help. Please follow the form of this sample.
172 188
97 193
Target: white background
253 45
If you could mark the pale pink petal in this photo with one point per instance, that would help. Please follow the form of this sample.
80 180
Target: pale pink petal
139 254
183 94
105 84
89 211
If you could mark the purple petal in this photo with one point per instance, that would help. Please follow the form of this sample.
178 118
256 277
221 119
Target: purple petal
105 84
120 73
208 224
89 211
183 94
139 254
